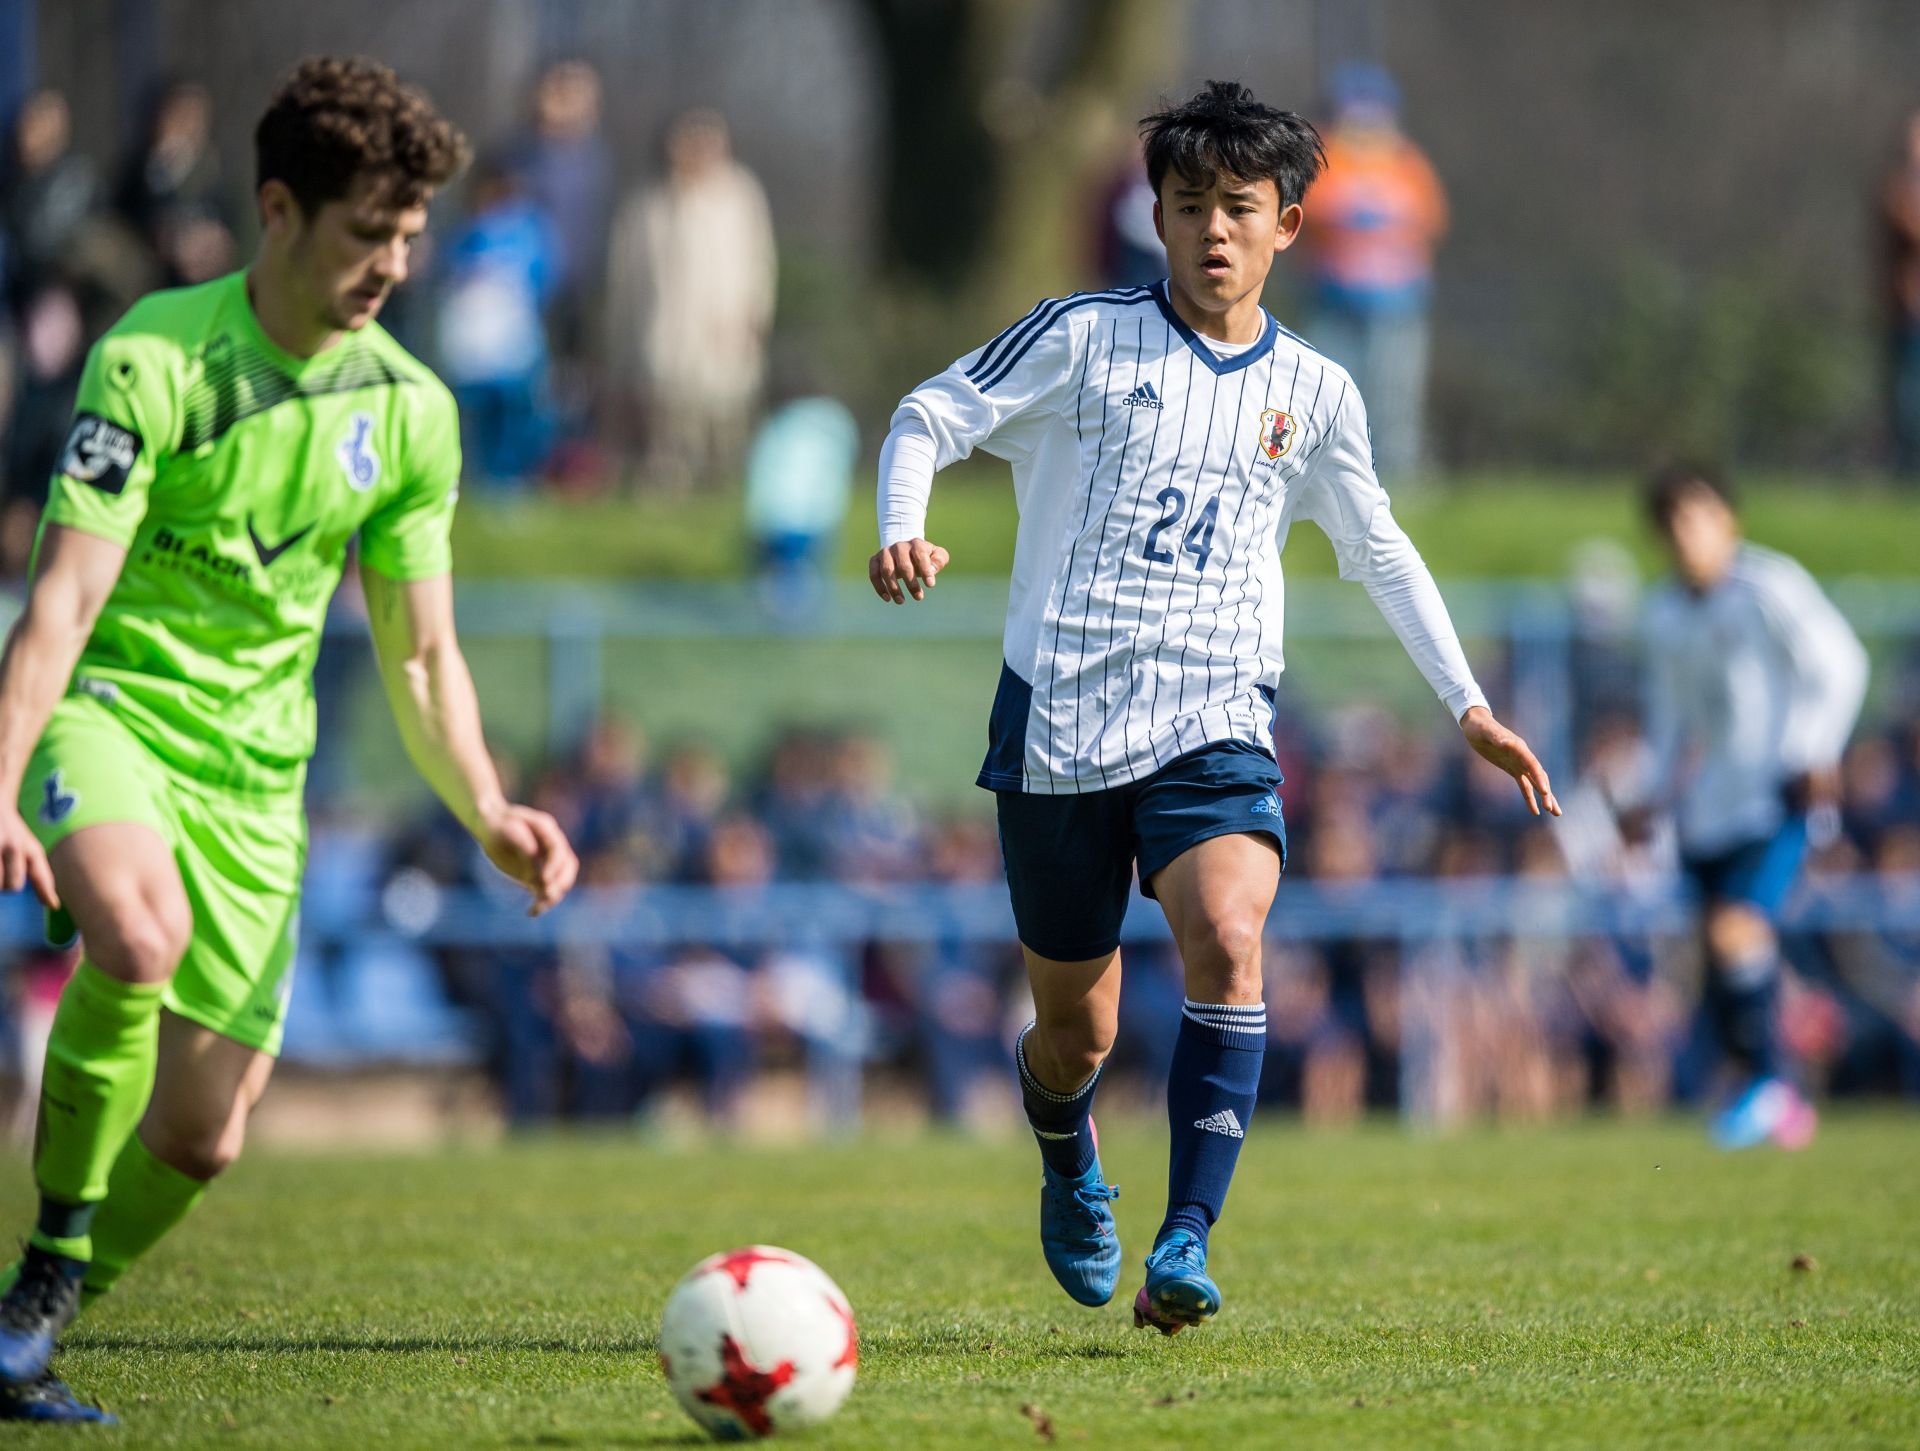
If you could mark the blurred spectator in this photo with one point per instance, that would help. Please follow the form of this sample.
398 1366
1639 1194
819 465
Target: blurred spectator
1375 218
609 795
565 168
871 833
52 351
500 270
958 988
792 803
171 191
690 303
799 479
1129 250
1900 222
47 194
694 789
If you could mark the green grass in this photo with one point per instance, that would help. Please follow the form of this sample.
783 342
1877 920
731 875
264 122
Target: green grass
1481 526
1599 1285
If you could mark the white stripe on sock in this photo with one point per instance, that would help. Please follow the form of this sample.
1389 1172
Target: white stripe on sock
1251 1027
1229 1008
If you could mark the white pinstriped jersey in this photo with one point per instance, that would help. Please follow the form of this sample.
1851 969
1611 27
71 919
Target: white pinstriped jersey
1750 684
1156 481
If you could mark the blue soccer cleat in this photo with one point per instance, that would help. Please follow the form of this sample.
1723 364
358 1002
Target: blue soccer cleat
49 1400
41 1302
1077 1234
1768 1108
1178 1292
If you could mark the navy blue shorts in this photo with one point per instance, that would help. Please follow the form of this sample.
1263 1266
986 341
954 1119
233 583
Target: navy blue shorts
1070 859
1759 873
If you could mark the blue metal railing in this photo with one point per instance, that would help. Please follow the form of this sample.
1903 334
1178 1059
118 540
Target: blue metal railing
832 915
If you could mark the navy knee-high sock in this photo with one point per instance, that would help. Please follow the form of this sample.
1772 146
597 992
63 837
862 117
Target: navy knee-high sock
1744 996
1210 1094
1060 1121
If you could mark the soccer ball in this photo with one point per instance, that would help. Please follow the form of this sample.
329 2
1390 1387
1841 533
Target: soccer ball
758 1340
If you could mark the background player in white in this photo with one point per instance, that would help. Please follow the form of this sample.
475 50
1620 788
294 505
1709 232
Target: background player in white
1162 439
1754 684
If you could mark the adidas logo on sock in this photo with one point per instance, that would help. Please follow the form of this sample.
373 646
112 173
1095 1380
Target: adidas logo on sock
1043 1133
1223 1122
1142 397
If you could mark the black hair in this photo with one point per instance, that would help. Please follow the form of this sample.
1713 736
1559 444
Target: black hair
1672 484
1223 128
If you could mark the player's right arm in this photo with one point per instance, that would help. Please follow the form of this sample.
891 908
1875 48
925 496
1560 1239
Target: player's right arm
124 418
1001 398
907 562
76 573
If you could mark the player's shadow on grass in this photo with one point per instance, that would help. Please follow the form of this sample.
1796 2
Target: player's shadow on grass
595 1438
1071 1351
261 1343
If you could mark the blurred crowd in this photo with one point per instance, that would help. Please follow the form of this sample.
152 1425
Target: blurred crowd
1449 1028
79 242
582 328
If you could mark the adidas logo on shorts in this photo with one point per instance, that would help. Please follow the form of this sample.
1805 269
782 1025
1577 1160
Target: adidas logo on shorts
1223 1122
1142 397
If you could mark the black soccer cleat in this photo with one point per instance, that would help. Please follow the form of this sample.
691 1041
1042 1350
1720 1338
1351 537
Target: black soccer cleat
50 1401
41 1303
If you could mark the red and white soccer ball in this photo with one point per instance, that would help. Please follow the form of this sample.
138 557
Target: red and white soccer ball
758 1340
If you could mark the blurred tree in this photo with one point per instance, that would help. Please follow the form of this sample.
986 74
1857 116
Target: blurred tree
997 111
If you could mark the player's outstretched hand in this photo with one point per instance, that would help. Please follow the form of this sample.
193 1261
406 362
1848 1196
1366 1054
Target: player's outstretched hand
23 861
1495 743
906 568
530 847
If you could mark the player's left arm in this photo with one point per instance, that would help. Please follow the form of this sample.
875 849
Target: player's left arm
406 569
1341 493
431 692
1826 677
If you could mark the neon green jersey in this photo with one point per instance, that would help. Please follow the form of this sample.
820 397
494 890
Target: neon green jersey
236 474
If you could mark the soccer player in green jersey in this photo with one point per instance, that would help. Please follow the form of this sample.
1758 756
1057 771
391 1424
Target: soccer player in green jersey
156 695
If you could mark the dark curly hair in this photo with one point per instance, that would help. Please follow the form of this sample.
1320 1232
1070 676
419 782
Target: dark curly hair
337 119
1223 128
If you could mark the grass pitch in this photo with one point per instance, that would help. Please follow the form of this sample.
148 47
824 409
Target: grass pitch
1604 1284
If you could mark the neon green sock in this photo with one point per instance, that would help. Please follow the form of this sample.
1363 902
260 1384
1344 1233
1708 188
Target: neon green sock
99 1075
145 1199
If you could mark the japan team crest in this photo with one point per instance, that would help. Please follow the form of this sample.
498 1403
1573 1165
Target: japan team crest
356 455
1277 432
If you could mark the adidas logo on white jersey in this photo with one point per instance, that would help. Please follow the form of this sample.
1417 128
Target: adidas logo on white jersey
1142 397
1223 1122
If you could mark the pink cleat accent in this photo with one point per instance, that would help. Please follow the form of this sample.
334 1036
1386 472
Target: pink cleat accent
1798 1121
1144 1315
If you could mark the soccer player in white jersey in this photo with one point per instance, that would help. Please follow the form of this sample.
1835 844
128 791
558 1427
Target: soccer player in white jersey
1162 440
1754 683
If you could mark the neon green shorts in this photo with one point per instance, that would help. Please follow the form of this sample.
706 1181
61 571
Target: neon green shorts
240 857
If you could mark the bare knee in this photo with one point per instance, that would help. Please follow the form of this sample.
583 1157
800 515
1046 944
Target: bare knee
141 943
1223 959
1064 1053
1737 933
